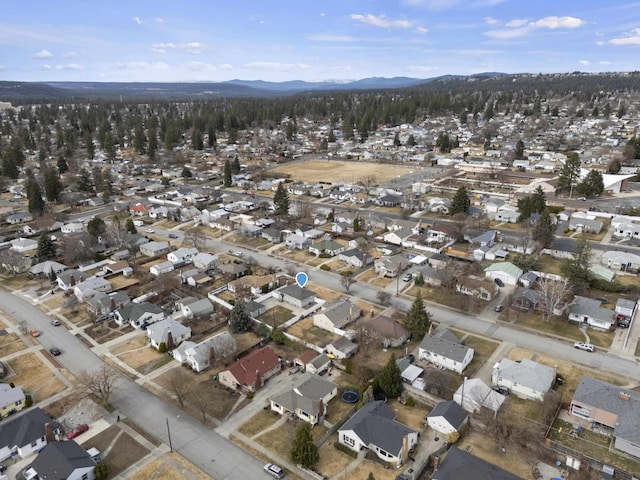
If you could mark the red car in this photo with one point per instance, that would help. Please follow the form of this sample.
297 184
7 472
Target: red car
77 431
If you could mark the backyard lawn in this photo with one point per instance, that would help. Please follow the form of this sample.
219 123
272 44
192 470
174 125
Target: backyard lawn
276 316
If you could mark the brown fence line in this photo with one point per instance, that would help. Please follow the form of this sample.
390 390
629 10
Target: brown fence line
334 428
558 447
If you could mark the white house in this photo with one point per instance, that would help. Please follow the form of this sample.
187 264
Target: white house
159 332
204 261
295 295
66 460
335 316
90 286
589 311
182 255
24 435
161 268
307 399
447 417
445 351
526 379
198 355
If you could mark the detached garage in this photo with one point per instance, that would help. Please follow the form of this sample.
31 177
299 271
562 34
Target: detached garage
507 272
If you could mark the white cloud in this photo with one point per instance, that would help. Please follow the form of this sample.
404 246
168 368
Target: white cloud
516 23
585 62
631 39
508 34
605 62
322 14
558 22
43 54
420 30
276 66
198 66
433 4
600 43
491 21
225 66
46 66
158 20
321 37
137 20
380 21
69 66
193 47
69 55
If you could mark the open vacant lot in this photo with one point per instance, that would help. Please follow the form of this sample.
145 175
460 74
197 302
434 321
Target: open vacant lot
10 343
170 466
124 452
331 171
35 377
140 356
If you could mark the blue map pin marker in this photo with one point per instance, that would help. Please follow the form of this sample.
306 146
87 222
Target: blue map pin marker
302 279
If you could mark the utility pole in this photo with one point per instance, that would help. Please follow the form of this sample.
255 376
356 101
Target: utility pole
398 279
169 434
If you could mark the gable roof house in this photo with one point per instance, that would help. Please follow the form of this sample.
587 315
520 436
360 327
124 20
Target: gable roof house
102 303
182 255
11 399
197 308
611 406
46 268
162 268
198 355
474 394
297 242
389 332
505 271
477 287
251 371
527 379
233 269
66 460
25 434
390 266
295 295
373 427
336 316
91 286
459 464
328 247
584 223
137 314
355 257
447 417
68 279
159 332
307 399
445 352
342 348
590 311
154 249
625 261
507 214
204 261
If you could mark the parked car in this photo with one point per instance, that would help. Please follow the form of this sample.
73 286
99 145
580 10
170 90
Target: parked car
411 357
294 369
587 347
501 390
498 308
173 235
407 277
274 470
80 429
55 351
150 230
34 333
499 282
55 323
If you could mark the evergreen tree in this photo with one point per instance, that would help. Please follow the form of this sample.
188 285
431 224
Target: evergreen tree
519 153
107 183
592 184
46 247
34 196
130 226
152 144
196 140
576 268
281 201
570 173
390 380
139 139
96 227
347 127
488 112
332 137
84 180
417 319
88 141
460 202
304 451
211 136
52 185
227 173
370 476
443 142
396 140
186 172
543 230
239 319
63 167
235 166
411 141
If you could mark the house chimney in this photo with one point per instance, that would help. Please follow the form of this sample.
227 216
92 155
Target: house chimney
436 463
48 433
405 449
320 410
113 304
170 342
624 396
258 383
72 280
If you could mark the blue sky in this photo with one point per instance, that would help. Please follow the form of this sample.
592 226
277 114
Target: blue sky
217 40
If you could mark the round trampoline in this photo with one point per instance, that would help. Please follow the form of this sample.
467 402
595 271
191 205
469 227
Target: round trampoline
350 396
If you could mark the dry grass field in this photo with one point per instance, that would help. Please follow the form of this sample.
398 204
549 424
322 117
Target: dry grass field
332 461
482 447
330 171
170 466
10 343
34 377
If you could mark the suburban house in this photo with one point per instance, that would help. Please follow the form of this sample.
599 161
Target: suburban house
297 242
295 295
26 434
441 233
198 356
254 284
47 268
373 427
307 400
527 299
162 268
625 261
160 332
318 364
445 351
507 214
251 371
526 379
389 332
433 276
447 417
355 257
611 407
328 247
137 314
255 309
458 464
474 395
182 255
398 237
233 270
11 400
204 261
66 460
104 303
507 272
337 315
198 308
390 266
91 286
154 249
477 287
590 311
585 223
342 348
68 279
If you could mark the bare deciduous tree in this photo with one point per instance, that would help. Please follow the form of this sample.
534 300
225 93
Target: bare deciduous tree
201 402
180 385
383 297
195 238
347 281
554 294
225 348
98 384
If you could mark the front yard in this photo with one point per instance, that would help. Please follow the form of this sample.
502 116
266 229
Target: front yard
482 351
35 377
276 316
306 330
279 440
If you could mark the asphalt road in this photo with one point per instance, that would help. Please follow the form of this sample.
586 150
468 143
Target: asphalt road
211 452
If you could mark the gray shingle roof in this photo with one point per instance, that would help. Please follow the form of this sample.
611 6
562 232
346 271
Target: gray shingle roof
527 373
442 346
61 459
305 394
590 307
374 424
297 292
451 412
459 465
25 428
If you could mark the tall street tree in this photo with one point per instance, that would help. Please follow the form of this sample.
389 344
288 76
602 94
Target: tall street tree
570 173
592 184
519 152
84 180
34 196
52 185
417 319
304 451
576 268
390 380
281 201
460 202
227 173
543 230
96 227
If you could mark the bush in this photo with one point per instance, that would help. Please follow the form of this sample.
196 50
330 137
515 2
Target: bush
324 255
101 471
555 209
613 287
410 401
162 348
348 365
419 280
346 273
28 401
326 268
346 450
250 395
